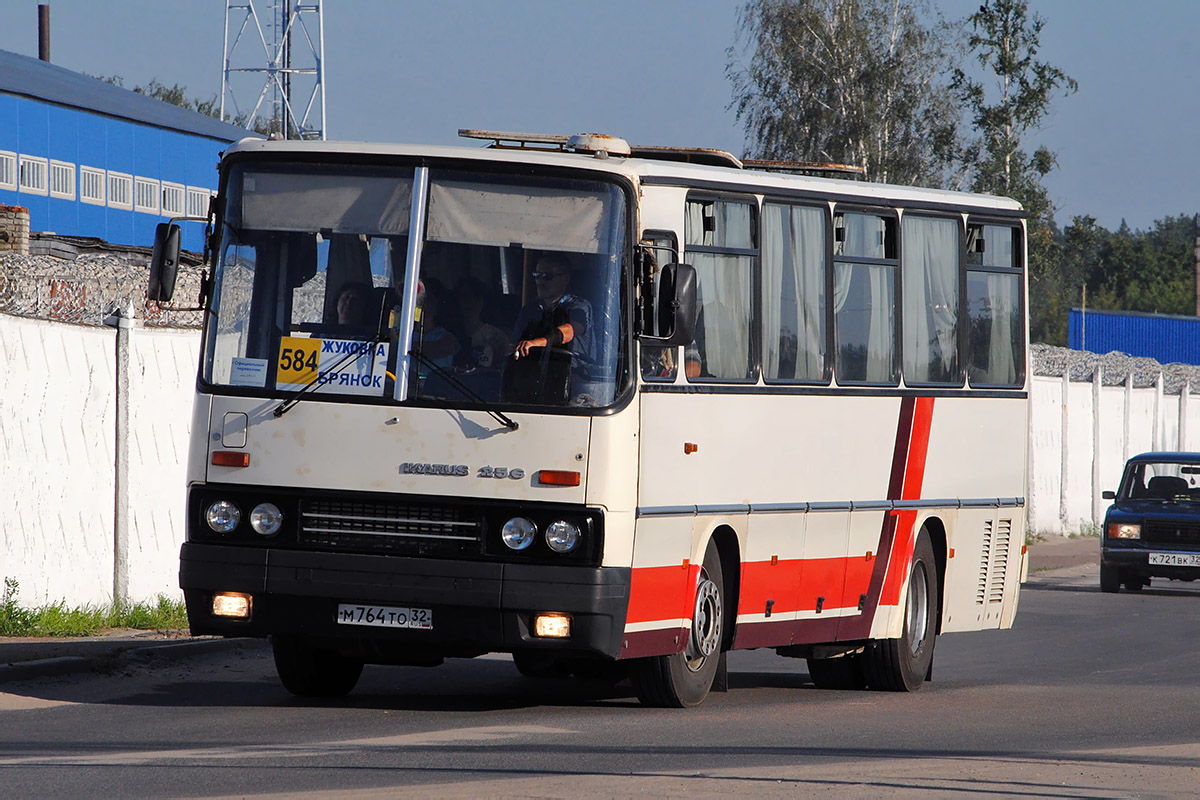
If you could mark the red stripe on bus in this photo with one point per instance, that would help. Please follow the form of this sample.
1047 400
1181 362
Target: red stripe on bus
661 592
914 479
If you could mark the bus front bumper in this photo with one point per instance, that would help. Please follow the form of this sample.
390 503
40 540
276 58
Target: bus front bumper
474 607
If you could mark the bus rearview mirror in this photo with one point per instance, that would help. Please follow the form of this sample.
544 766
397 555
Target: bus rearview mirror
676 306
164 263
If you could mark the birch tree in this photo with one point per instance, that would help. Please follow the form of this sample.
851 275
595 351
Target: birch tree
860 82
1008 110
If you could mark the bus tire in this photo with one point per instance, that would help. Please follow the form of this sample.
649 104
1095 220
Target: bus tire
683 680
901 665
308 671
539 665
1110 578
844 672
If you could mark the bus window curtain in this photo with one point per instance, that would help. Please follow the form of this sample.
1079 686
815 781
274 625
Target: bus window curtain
794 293
930 277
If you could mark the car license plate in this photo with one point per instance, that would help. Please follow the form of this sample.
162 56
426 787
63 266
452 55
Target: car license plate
385 616
1175 559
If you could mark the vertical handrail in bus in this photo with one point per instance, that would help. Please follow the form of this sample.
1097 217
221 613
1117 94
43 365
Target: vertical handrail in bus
412 267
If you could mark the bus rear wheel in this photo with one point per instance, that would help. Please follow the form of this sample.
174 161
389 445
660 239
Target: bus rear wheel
843 672
308 671
683 680
901 665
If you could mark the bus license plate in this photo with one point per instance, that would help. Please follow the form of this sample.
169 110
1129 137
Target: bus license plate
385 616
1175 559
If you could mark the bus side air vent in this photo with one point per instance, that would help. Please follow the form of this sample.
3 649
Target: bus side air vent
985 557
1000 560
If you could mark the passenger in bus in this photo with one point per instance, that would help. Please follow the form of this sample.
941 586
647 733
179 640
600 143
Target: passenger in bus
435 341
552 334
352 304
488 344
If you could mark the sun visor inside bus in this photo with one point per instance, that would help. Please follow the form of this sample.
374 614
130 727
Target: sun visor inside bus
341 203
498 216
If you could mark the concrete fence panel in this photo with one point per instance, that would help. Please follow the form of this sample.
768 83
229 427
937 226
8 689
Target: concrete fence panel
56 435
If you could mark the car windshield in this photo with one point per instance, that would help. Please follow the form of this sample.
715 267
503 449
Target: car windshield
310 282
1161 480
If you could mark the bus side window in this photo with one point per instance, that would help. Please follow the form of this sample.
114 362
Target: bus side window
793 275
719 240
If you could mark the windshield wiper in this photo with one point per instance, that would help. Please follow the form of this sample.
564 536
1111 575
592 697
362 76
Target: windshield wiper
467 391
325 377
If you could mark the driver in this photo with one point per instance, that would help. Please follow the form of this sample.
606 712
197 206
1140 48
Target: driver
550 331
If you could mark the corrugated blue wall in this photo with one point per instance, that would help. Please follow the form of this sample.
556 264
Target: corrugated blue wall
34 128
1166 338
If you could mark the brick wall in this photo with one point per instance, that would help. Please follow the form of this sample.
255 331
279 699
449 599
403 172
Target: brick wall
14 229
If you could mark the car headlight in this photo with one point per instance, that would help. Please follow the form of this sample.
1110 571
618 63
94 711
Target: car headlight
518 533
1122 530
562 536
223 516
266 519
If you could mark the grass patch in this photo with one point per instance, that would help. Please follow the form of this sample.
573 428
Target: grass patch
58 620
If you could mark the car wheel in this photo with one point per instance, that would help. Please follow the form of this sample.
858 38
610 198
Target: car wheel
1110 578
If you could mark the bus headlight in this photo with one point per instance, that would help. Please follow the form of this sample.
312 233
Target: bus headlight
562 536
266 519
518 533
223 516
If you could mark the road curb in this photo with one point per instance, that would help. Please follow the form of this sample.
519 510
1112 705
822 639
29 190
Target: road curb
132 651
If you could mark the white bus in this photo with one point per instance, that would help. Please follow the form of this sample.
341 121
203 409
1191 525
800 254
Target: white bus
615 411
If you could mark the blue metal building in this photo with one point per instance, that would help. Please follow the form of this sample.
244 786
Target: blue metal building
88 158
1167 338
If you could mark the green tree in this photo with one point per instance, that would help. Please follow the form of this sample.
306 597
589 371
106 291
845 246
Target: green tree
848 81
1005 40
176 95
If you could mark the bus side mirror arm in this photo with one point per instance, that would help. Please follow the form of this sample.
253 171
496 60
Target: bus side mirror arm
675 306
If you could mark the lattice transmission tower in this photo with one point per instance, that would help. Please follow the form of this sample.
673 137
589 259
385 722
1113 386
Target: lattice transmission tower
280 63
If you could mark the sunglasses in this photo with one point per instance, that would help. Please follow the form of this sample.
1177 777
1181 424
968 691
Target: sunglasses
545 276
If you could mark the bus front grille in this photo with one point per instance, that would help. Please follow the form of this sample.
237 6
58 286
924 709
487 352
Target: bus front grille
393 528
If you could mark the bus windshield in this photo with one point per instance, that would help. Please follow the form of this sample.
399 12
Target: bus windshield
519 286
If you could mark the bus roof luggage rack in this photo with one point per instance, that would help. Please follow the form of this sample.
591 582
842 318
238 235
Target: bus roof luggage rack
706 156
602 143
579 143
804 167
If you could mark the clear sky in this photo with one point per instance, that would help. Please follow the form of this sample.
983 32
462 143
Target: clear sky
653 72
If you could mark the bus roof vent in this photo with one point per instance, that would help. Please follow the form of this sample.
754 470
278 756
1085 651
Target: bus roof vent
805 167
598 143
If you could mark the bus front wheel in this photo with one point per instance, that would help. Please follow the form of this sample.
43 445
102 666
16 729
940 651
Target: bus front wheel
901 665
683 680
307 671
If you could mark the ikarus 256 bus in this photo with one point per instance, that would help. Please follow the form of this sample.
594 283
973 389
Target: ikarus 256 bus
613 410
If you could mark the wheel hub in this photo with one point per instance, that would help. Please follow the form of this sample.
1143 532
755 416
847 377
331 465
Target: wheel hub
706 623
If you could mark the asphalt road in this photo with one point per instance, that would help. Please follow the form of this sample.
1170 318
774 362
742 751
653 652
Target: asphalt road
1089 695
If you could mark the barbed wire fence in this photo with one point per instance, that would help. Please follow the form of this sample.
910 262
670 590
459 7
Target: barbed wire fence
88 289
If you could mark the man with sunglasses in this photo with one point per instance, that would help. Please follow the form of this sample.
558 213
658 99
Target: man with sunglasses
551 335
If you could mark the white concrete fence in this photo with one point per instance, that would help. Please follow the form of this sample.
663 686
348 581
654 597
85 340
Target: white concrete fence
94 427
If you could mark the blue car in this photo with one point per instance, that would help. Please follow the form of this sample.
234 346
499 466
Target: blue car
1153 527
